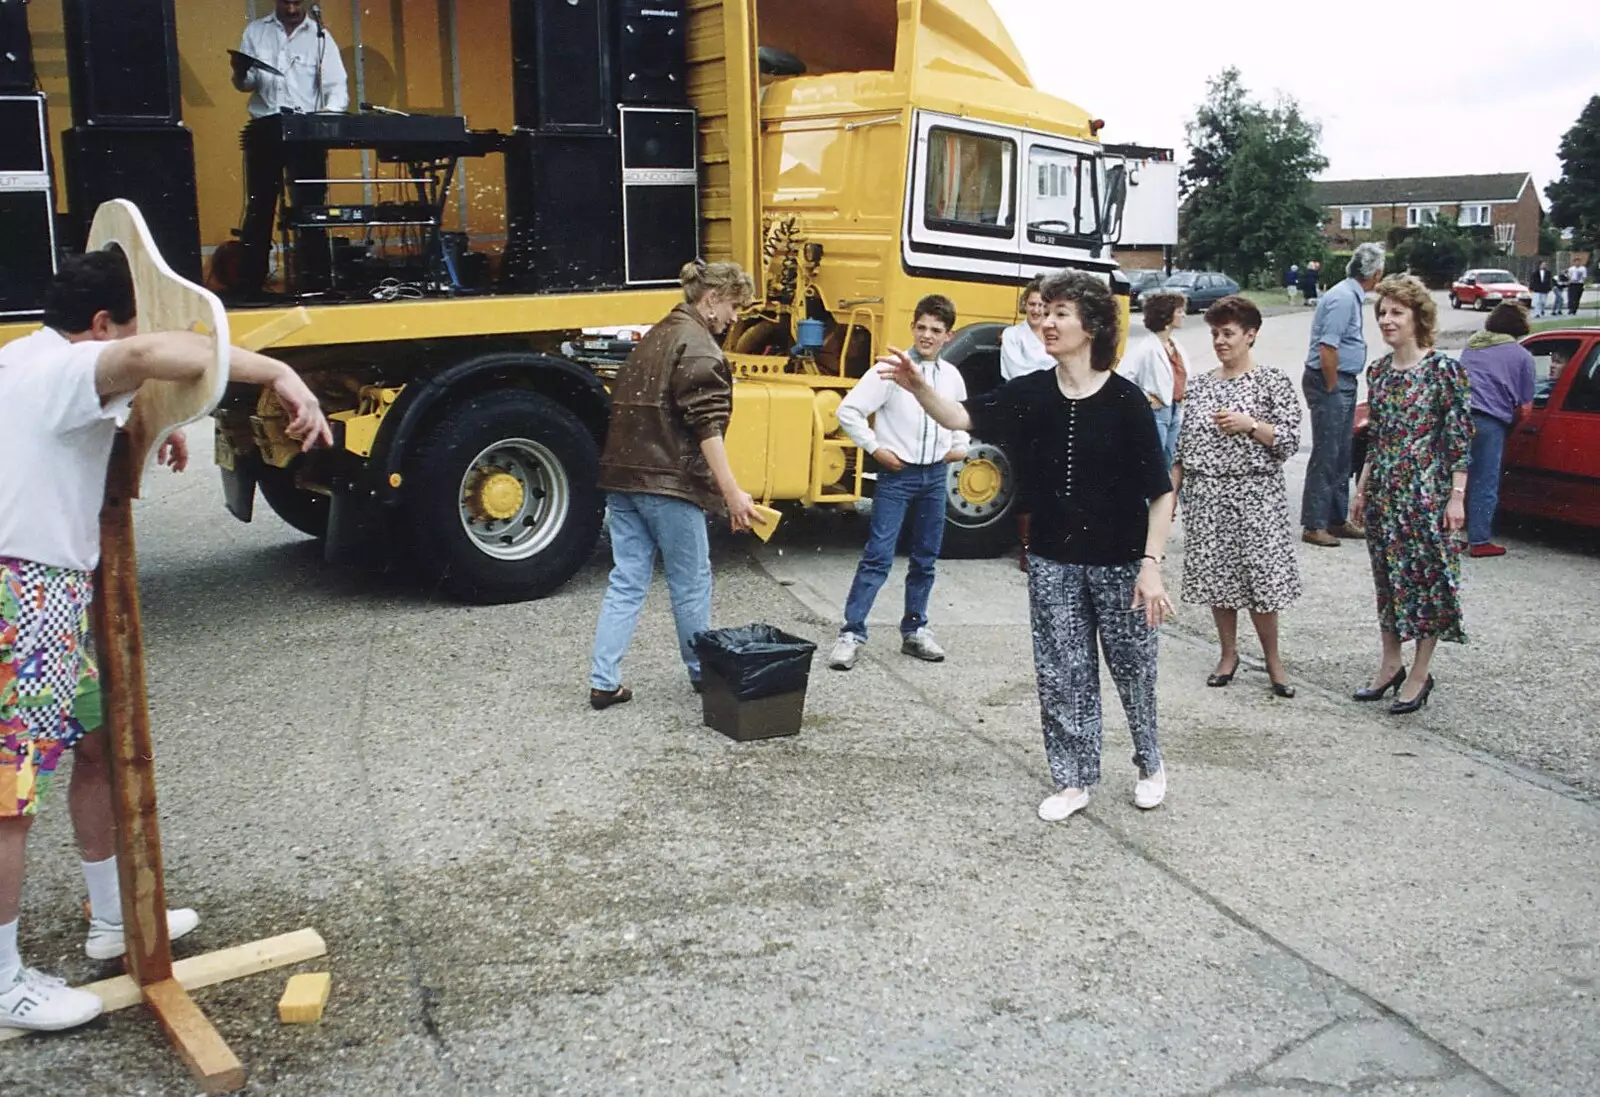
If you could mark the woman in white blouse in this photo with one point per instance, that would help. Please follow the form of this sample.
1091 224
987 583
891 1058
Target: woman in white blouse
1156 364
1021 346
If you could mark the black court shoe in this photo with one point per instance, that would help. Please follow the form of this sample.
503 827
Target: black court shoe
1217 681
1282 689
1377 694
1405 708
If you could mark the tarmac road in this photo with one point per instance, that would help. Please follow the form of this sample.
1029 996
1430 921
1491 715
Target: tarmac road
521 896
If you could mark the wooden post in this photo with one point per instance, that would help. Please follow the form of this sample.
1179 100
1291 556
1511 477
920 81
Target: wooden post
119 647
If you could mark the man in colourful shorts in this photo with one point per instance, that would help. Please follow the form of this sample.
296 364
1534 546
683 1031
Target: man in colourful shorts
64 391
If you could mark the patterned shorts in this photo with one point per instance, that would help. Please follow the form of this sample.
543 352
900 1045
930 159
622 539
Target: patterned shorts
49 690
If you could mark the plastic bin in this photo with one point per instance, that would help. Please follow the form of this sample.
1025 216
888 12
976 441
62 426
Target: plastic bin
755 680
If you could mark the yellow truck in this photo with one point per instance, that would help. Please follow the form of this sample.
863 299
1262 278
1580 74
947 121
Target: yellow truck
854 154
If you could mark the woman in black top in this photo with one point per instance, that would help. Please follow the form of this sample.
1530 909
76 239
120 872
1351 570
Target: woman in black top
1094 477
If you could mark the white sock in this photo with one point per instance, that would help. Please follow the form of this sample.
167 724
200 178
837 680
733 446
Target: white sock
10 959
105 894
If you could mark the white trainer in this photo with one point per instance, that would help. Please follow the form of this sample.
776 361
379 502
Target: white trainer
43 1003
843 655
1151 790
922 645
106 940
1069 801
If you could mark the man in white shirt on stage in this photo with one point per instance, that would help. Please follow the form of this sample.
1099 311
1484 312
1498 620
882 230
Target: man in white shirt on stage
287 61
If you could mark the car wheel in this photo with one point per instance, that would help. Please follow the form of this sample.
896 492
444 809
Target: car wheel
502 503
1455 302
305 510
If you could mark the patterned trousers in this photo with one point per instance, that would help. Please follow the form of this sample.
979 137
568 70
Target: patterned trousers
1073 607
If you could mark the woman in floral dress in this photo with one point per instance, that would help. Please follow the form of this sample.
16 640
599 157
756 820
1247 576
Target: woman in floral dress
1242 424
1412 491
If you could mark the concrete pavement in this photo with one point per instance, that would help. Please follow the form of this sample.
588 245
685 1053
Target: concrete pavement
521 896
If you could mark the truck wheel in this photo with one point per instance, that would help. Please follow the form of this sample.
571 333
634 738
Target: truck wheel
501 503
307 511
980 504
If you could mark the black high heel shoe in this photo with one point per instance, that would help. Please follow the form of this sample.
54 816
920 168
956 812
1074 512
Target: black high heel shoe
1377 694
1216 681
1282 689
1405 708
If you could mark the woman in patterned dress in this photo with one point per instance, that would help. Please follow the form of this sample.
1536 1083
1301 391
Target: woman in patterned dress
1412 491
1242 424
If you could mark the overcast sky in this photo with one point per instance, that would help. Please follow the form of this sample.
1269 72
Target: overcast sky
1401 88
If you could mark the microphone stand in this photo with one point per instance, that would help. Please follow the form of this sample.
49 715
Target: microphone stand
322 48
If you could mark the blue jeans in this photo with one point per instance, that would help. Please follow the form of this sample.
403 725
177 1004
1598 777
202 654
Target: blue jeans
642 525
1326 501
1169 421
1483 475
916 492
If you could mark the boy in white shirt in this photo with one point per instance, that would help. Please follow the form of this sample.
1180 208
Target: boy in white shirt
64 392
912 452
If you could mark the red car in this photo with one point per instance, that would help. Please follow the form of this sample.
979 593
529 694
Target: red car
1484 289
1552 462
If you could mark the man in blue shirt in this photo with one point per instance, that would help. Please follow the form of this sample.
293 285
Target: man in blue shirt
1337 355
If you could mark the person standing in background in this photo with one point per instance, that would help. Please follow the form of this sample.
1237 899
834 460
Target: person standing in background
1291 282
1502 374
1022 351
1542 284
1577 275
1156 364
1309 290
913 454
1337 355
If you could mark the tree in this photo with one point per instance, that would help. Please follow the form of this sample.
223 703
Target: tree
1247 188
1575 197
1439 252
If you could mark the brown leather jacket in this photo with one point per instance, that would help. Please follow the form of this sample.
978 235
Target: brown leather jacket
674 391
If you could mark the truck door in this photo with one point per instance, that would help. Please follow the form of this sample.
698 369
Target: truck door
962 216
1063 185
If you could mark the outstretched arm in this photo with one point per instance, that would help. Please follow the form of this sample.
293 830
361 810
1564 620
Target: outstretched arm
897 366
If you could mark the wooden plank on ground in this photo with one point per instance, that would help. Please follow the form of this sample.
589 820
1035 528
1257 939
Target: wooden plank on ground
199 1044
209 969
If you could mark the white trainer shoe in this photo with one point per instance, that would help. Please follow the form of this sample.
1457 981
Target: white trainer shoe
843 655
43 1003
106 940
1151 790
922 645
1069 801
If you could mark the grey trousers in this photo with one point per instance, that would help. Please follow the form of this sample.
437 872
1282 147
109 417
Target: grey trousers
1326 501
1076 611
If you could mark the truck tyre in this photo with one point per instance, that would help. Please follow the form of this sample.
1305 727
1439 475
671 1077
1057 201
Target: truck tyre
307 511
500 502
980 500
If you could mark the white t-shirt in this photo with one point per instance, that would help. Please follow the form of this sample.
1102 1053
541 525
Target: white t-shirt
55 444
294 55
1021 351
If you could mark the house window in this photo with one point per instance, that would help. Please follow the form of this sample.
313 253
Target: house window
1417 216
1355 218
1474 215
970 179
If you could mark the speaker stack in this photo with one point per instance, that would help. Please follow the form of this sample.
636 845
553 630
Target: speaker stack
600 191
128 139
27 214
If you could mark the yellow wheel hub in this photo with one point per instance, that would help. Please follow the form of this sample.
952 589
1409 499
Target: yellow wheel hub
979 482
499 496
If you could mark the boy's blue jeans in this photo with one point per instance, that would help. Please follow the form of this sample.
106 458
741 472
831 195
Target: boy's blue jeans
917 493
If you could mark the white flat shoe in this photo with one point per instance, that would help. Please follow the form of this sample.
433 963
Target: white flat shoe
1151 790
1069 801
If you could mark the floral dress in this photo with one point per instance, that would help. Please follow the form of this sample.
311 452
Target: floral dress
1238 538
1421 432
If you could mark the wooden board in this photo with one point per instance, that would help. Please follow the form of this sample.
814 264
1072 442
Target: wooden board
196 1039
166 302
209 969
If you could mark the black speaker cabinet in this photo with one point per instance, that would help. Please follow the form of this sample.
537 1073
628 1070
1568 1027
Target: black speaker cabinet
16 48
660 193
564 207
153 169
653 52
561 65
27 214
122 62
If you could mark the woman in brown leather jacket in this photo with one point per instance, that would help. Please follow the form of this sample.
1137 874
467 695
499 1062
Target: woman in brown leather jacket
664 466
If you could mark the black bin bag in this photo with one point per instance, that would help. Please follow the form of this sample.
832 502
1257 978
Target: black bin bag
756 661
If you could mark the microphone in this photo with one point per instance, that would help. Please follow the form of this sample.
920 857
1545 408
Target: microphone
316 14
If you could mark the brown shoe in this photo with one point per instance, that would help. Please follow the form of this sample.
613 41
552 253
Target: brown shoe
1320 537
1348 531
600 699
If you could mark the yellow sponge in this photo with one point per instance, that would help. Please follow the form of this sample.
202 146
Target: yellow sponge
766 523
304 998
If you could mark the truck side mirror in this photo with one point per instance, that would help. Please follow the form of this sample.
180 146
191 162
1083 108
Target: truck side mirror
1116 203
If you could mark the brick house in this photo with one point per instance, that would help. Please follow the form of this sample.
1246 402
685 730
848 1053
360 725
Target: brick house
1358 210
